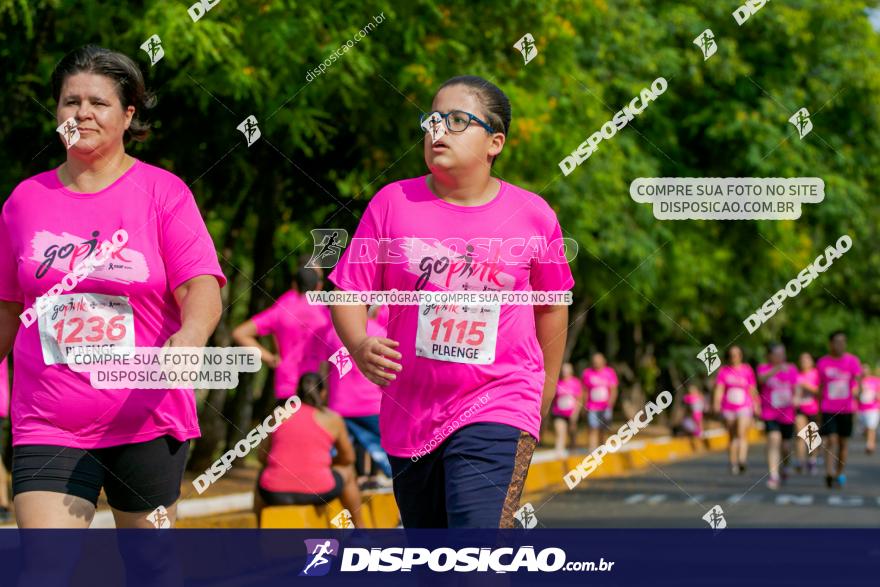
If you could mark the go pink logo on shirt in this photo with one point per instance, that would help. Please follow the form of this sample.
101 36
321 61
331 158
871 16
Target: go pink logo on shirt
65 251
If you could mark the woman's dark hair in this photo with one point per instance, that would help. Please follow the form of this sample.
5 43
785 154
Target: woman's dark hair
309 390
122 70
494 101
306 279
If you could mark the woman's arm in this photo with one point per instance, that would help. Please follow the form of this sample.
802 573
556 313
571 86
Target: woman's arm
369 352
344 449
551 328
9 323
200 309
716 399
245 334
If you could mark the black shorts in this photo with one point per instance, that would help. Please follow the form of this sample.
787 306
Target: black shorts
840 424
136 477
290 498
787 430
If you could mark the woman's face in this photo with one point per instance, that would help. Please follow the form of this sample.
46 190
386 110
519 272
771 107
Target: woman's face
736 355
806 361
459 151
101 120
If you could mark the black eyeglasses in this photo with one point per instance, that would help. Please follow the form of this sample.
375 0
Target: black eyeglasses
457 120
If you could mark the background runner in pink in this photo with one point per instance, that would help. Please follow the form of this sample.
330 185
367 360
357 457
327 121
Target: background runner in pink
294 322
737 382
4 388
568 392
597 385
809 405
838 380
45 230
351 395
777 393
429 393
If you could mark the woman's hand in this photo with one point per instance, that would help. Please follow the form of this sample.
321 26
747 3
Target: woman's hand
370 357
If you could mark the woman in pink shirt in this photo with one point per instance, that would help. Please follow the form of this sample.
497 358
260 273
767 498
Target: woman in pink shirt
162 287
458 462
600 391
778 380
807 409
298 466
295 325
736 400
4 416
566 407
692 423
869 408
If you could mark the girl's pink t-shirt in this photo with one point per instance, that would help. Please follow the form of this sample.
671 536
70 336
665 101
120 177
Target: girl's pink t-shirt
45 231
695 401
809 404
838 380
598 386
454 354
4 388
295 324
351 395
869 398
777 393
736 382
568 391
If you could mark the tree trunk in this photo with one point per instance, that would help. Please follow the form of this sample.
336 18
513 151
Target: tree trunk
578 321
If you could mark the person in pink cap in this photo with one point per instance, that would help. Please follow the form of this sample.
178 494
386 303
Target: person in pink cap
736 400
600 391
807 410
566 407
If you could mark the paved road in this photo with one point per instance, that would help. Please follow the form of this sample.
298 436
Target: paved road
677 495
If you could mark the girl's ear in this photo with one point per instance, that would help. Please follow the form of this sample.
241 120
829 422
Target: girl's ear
497 144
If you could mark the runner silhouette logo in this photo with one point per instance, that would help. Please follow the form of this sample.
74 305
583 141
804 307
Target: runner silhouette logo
321 553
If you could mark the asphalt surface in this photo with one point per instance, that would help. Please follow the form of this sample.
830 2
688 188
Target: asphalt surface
678 495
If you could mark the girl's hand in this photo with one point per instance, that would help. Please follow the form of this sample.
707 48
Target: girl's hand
372 358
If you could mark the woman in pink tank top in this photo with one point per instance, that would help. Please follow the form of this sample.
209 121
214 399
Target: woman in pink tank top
299 468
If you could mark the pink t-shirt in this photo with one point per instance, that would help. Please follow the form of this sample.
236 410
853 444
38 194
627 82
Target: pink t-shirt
869 398
568 391
695 401
351 395
454 354
45 231
314 350
4 388
736 382
295 324
838 379
598 386
809 404
777 393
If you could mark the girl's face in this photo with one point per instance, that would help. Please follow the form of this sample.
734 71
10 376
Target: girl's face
567 370
736 355
460 151
806 361
92 100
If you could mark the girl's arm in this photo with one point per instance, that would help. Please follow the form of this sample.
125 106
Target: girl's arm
200 309
9 323
245 334
551 328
